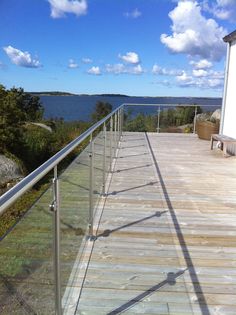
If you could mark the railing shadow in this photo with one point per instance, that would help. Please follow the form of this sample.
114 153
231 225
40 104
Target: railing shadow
133 146
131 188
132 155
132 168
170 280
107 233
131 139
74 184
14 295
96 168
187 257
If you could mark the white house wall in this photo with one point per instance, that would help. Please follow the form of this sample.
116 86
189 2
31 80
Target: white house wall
229 124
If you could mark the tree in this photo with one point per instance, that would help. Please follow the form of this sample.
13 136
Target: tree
30 105
11 119
16 108
102 109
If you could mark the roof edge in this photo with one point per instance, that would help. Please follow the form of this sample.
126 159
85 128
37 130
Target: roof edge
229 38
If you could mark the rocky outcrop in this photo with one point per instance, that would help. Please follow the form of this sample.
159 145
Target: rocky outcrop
213 117
203 116
41 126
216 115
9 171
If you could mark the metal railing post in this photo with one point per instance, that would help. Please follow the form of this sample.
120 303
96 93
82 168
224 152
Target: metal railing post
111 136
158 119
118 125
55 208
104 158
115 128
91 185
122 118
120 121
195 120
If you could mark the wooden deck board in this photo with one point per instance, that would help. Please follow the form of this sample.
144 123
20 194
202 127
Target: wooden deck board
166 239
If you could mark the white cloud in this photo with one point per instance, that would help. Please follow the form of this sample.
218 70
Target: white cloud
201 79
72 64
201 64
194 34
87 60
222 9
94 70
199 73
157 69
163 71
130 57
184 79
133 14
120 68
60 7
136 70
20 58
217 75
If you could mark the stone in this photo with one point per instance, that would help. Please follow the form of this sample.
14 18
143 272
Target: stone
41 126
216 115
203 116
9 170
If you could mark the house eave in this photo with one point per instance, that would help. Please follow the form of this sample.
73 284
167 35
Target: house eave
231 37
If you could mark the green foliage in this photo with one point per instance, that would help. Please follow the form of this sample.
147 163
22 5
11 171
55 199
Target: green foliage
169 118
141 123
16 107
36 146
31 145
102 109
29 105
181 115
17 210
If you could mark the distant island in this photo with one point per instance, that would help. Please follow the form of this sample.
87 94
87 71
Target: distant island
53 93
58 93
112 95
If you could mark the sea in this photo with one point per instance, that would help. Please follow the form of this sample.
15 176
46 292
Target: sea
80 107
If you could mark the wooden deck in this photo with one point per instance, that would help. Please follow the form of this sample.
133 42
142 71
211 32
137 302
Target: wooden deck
166 232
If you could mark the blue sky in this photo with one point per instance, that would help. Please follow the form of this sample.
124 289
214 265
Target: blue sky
134 47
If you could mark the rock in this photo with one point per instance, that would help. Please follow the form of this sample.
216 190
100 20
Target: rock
9 171
42 126
203 116
216 115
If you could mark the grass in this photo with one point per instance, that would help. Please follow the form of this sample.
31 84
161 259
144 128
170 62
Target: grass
15 212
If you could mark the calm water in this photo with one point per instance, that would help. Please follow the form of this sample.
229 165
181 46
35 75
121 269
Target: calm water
80 107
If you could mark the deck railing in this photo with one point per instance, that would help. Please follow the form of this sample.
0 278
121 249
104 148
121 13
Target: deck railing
33 277
92 167
161 108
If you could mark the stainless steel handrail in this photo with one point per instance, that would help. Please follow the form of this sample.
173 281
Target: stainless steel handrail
25 184
169 105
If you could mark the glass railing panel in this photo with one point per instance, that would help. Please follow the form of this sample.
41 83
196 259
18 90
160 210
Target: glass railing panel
141 118
176 118
108 149
98 155
179 119
26 263
74 219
